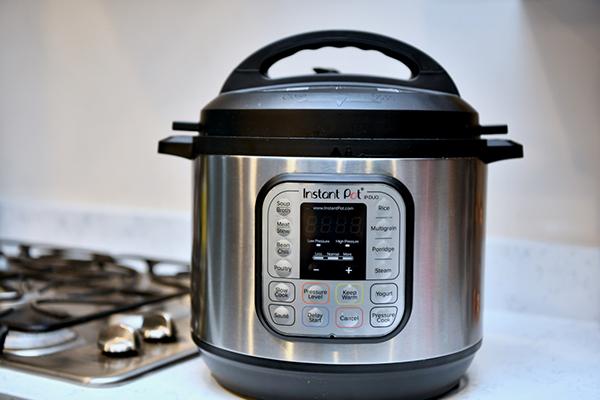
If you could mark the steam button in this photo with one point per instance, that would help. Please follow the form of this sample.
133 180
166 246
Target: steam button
283 248
283 206
283 227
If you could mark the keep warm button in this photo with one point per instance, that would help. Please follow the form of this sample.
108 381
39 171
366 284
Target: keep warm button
382 317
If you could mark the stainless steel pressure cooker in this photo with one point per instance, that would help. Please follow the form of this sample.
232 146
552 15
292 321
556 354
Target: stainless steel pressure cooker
338 227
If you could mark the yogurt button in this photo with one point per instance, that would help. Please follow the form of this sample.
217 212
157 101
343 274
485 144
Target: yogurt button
384 293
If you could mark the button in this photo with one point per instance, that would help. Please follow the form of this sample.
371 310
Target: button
347 293
384 207
283 268
284 227
282 291
348 317
315 316
282 315
383 249
283 248
313 293
385 270
283 206
382 317
384 228
384 293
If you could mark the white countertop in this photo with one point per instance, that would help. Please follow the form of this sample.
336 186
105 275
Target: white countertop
523 357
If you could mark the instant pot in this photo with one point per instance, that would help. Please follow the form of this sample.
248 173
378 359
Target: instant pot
338 227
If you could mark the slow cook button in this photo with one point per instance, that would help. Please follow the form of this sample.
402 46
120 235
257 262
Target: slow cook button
283 206
283 268
281 291
348 293
282 315
384 293
313 293
283 248
315 316
348 317
383 249
382 317
284 227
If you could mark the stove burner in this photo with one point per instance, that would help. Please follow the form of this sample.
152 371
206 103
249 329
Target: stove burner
45 288
24 341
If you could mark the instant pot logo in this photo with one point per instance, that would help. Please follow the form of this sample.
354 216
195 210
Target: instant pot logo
336 194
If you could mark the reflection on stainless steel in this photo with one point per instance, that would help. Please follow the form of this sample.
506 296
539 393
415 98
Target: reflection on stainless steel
16 340
158 327
449 196
119 340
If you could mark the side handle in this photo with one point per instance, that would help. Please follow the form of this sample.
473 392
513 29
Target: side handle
180 146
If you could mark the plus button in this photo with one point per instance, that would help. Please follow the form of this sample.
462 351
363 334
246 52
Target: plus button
348 270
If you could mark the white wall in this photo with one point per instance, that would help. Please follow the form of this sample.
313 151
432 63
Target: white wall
87 88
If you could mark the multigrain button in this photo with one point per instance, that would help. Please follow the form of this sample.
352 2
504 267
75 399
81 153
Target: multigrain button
313 293
284 227
383 228
347 293
348 317
281 291
283 206
384 293
282 315
315 316
383 249
283 268
382 317
283 248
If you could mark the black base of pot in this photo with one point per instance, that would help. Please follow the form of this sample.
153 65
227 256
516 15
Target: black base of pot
270 379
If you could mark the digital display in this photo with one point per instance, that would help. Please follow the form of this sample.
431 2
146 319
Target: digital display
333 241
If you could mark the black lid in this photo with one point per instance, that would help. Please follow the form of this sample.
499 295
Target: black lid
333 114
334 105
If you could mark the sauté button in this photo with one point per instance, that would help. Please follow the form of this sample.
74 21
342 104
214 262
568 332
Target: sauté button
283 206
348 293
315 316
281 291
315 293
348 317
283 248
382 317
283 268
283 227
282 315
384 293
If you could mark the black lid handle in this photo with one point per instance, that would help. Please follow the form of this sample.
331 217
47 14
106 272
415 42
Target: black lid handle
426 73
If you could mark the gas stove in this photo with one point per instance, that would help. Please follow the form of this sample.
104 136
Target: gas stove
91 317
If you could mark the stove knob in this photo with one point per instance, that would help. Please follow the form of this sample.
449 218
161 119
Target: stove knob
158 327
119 340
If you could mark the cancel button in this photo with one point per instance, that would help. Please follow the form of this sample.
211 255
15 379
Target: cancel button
382 317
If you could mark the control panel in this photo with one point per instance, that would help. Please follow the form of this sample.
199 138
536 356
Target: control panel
333 258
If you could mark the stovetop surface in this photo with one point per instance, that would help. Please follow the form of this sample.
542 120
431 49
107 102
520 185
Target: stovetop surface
55 302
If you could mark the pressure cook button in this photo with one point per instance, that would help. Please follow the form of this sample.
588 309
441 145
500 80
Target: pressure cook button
283 268
281 291
313 293
283 248
348 317
315 316
347 293
383 249
284 227
282 315
384 293
283 206
382 317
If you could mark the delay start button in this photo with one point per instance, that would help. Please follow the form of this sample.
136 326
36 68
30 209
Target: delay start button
382 317
313 293
315 316
282 315
348 317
